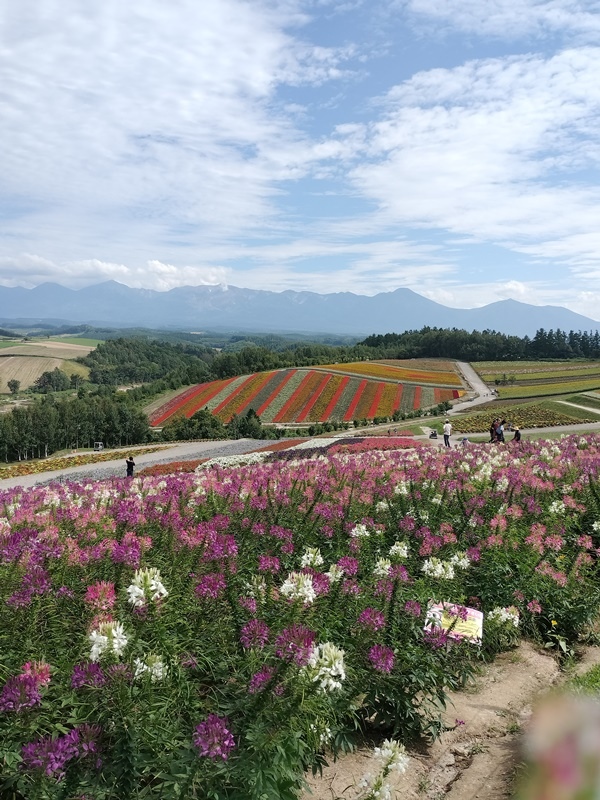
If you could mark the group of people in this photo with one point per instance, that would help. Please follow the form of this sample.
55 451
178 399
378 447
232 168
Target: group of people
497 431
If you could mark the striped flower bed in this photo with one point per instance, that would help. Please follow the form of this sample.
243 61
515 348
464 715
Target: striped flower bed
269 392
174 404
375 369
366 401
417 398
205 398
408 396
237 401
331 395
282 396
387 400
350 413
308 408
398 397
301 396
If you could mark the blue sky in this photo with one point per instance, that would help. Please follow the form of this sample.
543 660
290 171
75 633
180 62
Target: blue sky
448 146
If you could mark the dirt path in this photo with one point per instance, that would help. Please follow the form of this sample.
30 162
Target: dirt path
477 759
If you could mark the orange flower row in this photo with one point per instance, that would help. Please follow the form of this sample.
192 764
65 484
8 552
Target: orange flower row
308 408
337 386
375 369
298 398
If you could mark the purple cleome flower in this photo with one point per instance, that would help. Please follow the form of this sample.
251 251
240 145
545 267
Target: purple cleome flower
372 618
295 644
254 634
382 658
211 586
19 692
260 679
213 739
87 674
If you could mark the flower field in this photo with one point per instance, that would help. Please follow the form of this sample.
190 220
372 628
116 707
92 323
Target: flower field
399 371
216 634
529 415
35 466
316 395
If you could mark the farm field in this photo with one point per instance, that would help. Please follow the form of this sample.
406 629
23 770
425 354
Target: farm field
48 349
494 368
27 369
551 387
300 584
302 396
540 378
525 415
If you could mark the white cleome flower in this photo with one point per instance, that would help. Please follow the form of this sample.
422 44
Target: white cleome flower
399 550
153 666
109 639
460 560
312 557
382 568
436 568
298 586
359 531
327 663
393 755
335 573
146 586
508 615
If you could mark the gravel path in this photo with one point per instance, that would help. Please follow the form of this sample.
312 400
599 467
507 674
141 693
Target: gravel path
116 468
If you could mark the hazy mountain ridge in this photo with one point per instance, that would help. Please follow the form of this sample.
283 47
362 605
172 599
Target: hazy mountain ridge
206 307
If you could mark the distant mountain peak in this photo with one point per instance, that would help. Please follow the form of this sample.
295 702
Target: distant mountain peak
221 306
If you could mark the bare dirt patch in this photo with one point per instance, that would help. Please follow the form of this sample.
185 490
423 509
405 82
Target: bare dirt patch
475 760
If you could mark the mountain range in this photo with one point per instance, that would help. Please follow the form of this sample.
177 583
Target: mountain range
199 308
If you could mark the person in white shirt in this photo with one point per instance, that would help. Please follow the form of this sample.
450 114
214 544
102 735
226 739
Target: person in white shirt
447 433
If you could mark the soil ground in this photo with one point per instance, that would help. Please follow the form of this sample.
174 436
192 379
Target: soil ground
478 759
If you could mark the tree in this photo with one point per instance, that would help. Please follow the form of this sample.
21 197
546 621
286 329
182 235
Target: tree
14 385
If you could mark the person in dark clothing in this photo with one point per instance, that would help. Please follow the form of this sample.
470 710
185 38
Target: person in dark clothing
493 434
500 431
130 464
517 436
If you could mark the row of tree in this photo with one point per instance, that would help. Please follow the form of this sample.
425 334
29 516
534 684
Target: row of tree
39 429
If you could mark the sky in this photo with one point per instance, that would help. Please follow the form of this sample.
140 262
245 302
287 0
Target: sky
447 146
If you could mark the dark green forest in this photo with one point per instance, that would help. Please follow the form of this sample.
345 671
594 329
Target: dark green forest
36 430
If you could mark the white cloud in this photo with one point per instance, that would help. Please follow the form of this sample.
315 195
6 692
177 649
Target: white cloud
509 19
494 150
125 121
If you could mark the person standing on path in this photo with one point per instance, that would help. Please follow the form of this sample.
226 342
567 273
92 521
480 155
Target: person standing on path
447 433
130 464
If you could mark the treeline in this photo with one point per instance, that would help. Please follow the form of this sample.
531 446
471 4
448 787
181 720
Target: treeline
484 345
37 430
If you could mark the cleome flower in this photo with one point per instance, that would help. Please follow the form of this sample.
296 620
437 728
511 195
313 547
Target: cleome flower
146 586
508 615
382 567
312 557
399 550
298 586
153 666
326 664
109 638
436 568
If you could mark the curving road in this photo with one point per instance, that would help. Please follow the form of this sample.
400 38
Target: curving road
483 393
